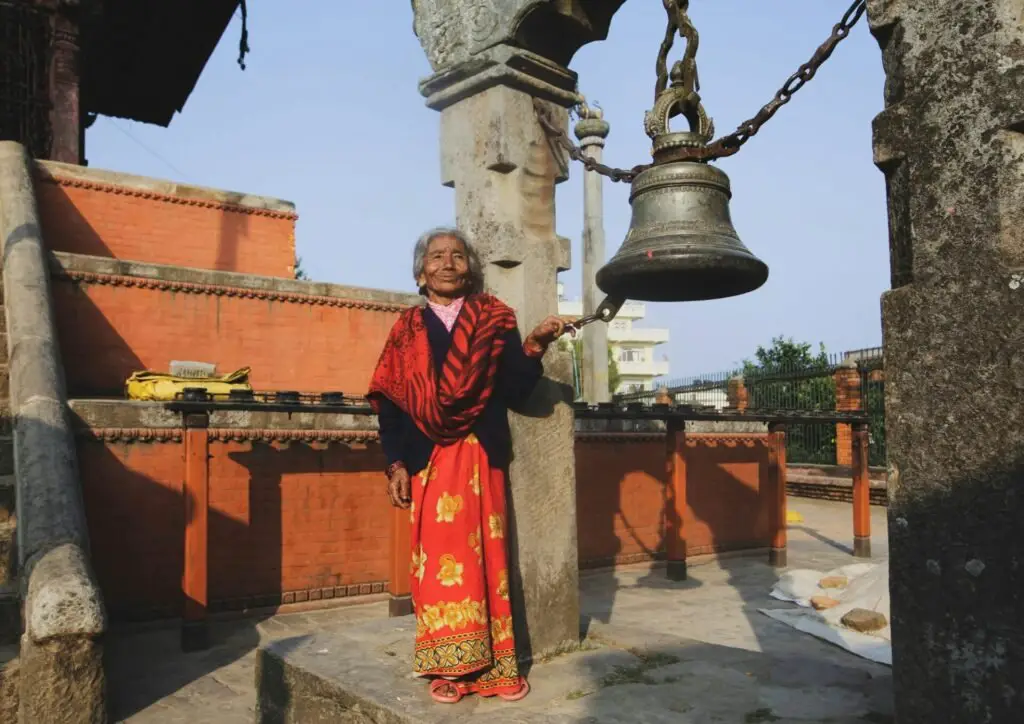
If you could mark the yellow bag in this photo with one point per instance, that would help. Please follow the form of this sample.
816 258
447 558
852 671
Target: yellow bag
162 386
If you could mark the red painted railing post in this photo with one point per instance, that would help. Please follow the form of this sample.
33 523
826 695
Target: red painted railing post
861 493
675 526
777 475
196 491
399 586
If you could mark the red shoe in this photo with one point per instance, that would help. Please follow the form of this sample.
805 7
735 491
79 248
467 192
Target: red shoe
518 695
444 691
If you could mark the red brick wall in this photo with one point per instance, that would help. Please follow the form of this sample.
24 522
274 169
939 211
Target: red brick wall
848 399
127 222
109 330
293 523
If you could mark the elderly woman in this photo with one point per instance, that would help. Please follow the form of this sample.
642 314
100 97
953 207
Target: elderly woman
449 372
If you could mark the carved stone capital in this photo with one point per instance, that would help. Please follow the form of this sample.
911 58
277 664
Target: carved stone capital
474 39
501 65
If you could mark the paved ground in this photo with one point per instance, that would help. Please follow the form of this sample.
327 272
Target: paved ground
780 671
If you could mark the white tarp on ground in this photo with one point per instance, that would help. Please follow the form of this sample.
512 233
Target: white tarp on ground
867 587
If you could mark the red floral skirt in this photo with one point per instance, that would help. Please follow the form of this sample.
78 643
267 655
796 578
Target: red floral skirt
460 571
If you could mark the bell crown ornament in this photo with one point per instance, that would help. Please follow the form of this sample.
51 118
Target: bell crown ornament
681 245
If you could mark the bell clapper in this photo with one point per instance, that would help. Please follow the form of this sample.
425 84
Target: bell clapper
605 312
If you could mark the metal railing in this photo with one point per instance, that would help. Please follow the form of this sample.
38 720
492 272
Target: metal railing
803 385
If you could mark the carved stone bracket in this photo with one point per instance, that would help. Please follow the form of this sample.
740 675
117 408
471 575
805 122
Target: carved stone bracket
456 31
501 65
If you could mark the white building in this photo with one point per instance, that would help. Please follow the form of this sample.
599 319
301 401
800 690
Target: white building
633 347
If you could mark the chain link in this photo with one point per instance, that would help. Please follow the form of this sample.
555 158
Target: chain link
729 144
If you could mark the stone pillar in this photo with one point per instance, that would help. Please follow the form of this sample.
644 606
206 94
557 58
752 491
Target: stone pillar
504 168
592 129
65 122
848 399
951 145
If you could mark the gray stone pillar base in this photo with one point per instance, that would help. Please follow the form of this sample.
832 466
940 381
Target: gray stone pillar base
777 557
400 606
195 636
862 546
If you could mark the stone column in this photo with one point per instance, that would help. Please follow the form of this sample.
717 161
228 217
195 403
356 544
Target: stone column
495 154
951 145
592 129
65 123
503 167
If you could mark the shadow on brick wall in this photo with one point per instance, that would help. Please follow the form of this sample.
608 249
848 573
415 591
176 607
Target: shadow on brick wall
278 515
626 511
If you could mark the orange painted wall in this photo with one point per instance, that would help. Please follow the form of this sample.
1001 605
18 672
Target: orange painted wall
287 523
108 331
622 498
125 222
294 523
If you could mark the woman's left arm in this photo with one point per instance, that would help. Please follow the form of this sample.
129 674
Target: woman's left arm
518 373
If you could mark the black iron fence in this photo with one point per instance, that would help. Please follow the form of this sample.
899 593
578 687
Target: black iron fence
801 385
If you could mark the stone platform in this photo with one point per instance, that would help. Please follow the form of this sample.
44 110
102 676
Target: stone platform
620 675
713 617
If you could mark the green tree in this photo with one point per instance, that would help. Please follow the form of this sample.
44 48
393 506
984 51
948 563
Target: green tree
300 273
787 375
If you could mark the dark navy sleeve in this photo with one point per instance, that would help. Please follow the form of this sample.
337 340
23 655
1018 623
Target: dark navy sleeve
391 435
518 373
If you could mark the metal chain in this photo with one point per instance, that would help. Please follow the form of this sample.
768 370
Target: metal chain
731 143
576 153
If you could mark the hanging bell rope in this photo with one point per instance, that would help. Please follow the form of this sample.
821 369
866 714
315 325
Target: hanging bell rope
243 41
679 23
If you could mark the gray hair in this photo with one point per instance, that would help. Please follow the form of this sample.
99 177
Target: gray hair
419 255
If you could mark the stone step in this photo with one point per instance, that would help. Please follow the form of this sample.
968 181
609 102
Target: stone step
8 552
9 670
6 449
7 498
10 616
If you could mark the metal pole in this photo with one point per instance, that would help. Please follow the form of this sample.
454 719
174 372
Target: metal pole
592 129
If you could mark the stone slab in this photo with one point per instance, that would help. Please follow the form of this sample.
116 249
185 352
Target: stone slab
620 675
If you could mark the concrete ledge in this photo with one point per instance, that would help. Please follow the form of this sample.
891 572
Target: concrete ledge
63 172
115 271
129 414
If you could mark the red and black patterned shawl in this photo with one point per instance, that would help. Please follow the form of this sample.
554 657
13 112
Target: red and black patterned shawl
444 406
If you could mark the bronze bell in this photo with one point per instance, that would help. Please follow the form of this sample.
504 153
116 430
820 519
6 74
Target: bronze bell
681 245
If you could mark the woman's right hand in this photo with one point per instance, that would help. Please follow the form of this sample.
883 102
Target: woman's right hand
399 489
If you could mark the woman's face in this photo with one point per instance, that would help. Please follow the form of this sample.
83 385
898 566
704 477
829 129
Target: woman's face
445 268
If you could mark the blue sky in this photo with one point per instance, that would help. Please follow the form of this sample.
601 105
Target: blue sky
328 115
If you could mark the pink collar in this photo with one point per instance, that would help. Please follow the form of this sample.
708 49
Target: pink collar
447 313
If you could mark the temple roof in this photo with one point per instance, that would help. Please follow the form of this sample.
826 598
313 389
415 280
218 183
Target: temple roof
140 59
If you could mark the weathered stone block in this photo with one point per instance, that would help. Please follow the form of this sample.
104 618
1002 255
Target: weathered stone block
62 681
10 679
